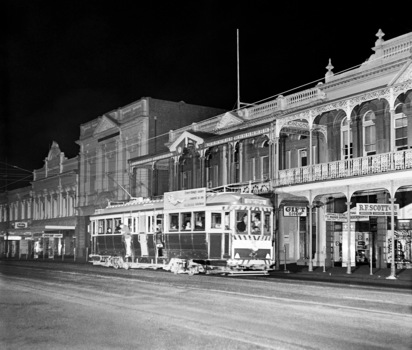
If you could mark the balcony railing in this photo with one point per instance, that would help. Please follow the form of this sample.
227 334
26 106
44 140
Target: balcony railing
375 164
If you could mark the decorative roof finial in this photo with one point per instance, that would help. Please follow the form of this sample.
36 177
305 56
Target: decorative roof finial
329 67
380 35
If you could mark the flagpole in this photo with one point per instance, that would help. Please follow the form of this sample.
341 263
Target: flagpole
238 79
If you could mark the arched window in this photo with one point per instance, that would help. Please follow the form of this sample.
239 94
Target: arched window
369 134
344 129
401 129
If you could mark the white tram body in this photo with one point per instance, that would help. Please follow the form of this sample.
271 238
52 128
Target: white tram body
188 231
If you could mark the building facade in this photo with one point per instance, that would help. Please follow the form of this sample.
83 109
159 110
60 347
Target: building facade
39 221
335 159
108 142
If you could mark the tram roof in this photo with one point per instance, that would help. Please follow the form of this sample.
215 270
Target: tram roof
218 198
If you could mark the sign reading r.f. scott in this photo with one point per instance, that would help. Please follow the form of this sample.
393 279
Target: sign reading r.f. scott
376 209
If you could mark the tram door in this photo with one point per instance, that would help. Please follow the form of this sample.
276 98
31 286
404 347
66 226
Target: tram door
215 245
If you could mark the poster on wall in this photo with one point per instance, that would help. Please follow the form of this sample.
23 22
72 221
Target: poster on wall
345 238
403 245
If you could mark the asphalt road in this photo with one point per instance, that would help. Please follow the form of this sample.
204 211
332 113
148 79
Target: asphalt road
69 307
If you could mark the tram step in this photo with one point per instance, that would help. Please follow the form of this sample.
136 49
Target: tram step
247 273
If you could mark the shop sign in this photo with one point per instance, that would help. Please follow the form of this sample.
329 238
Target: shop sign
255 201
52 235
343 217
291 210
336 217
376 209
21 224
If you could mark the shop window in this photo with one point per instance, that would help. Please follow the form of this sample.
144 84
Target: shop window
186 221
216 220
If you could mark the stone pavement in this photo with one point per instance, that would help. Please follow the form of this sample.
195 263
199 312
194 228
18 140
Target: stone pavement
361 275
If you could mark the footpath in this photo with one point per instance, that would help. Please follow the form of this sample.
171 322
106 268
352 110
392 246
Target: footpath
360 275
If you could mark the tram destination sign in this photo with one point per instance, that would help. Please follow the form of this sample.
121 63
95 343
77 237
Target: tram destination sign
376 209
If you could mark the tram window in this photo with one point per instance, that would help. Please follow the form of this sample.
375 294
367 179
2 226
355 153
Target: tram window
199 220
216 220
117 225
135 223
267 224
186 221
159 223
174 222
241 221
227 221
256 224
101 226
109 228
130 224
149 223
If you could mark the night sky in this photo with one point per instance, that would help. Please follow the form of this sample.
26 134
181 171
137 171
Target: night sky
64 63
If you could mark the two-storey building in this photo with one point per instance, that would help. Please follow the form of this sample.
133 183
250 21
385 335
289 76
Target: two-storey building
39 221
108 142
334 159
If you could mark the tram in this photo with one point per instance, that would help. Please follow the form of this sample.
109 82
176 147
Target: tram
190 231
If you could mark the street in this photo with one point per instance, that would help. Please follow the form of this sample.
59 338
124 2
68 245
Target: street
75 307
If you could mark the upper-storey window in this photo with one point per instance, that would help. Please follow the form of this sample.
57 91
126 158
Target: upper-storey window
369 134
345 128
401 130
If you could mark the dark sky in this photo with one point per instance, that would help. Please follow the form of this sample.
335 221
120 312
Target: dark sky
64 63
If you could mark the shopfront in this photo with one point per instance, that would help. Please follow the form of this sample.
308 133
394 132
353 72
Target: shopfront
54 244
16 245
